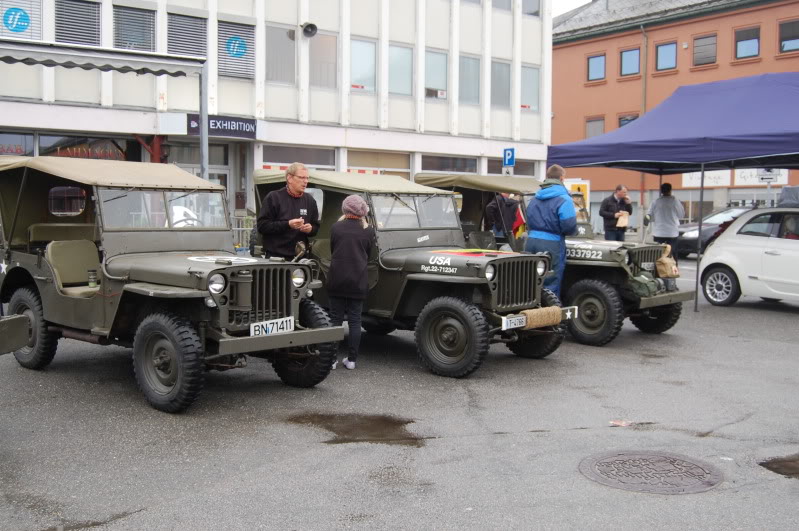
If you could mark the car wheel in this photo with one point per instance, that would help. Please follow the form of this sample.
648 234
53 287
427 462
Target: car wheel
378 328
658 319
600 312
312 365
42 345
541 342
720 286
451 337
167 362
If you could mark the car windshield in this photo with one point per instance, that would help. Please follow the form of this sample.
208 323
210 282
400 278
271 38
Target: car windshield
395 211
725 215
159 209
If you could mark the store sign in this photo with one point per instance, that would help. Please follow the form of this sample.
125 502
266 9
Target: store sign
760 177
231 126
712 178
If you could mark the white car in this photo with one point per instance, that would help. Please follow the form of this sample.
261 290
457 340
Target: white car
758 255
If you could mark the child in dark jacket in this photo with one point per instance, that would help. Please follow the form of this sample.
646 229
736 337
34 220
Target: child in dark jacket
351 241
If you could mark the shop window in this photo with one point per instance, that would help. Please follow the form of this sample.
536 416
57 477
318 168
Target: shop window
624 120
190 154
531 7
705 50
523 168
789 36
66 201
435 75
378 159
82 147
666 56
594 127
631 62
530 87
500 84
22 19
186 35
596 67
134 29
16 144
363 65
469 80
324 61
400 70
312 157
451 164
236 50
77 22
281 55
747 43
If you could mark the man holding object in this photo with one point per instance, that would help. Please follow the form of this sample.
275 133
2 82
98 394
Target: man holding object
612 209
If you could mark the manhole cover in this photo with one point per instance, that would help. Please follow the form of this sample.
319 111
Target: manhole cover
658 473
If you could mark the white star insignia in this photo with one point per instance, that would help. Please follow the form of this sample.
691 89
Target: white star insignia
568 314
3 267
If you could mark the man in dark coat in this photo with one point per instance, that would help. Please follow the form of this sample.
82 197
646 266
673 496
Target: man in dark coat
288 215
500 214
611 209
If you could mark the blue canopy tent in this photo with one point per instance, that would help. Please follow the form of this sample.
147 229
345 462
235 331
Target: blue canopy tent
750 122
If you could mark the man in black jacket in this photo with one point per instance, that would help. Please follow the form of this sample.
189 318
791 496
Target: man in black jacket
612 209
501 213
288 215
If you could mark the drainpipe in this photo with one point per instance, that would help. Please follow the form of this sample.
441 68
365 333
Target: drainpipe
644 76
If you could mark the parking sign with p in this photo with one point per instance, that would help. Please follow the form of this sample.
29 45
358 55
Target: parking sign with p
509 157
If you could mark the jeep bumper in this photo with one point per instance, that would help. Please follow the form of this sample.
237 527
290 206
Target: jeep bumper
13 333
539 317
671 297
298 338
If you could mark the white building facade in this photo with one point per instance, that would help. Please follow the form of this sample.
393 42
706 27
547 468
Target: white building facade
381 86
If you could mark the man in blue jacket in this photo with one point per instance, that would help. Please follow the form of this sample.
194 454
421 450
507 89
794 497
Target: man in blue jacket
550 218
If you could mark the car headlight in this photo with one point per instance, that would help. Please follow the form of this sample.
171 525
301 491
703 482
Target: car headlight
217 283
541 268
490 271
298 277
691 234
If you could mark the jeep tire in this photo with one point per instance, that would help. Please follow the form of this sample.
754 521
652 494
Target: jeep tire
452 337
309 368
600 312
658 319
537 345
42 345
167 362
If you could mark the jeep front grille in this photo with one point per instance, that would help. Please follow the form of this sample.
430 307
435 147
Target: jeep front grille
644 255
271 296
516 283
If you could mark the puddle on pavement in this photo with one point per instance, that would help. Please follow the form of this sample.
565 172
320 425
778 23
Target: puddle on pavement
787 466
354 428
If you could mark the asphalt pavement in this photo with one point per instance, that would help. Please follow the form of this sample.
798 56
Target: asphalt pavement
391 446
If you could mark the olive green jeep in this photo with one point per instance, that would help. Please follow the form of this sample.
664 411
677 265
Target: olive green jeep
606 280
424 277
141 255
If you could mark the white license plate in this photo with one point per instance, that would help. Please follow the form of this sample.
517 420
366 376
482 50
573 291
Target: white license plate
649 266
275 326
514 321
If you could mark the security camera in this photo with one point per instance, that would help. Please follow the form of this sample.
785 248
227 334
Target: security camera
308 29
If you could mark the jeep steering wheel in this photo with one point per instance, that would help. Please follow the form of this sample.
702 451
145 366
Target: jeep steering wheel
195 222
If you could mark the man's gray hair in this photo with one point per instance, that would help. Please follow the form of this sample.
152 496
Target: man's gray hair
294 167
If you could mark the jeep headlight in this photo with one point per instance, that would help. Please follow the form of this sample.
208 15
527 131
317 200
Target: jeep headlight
217 283
298 277
490 271
628 259
540 268
691 234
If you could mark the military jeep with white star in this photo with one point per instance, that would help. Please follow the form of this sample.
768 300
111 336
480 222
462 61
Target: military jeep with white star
141 255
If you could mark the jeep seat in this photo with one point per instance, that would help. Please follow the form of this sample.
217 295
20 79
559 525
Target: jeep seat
71 260
40 234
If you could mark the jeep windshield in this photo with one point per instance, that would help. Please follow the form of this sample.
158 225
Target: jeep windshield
394 211
132 209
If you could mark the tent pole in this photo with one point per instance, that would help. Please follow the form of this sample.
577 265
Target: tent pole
699 237
641 208
204 82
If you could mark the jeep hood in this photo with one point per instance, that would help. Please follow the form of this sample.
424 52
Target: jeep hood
606 245
443 260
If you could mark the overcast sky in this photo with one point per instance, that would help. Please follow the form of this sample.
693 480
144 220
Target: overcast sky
561 6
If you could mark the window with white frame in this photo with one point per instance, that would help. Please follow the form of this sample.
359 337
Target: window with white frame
324 61
363 66
22 19
400 70
530 86
77 22
187 35
281 54
236 50
435 75
500 84
134 29
469 80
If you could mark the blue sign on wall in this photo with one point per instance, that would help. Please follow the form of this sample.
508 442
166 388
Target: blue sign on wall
509 157
16 20
236 47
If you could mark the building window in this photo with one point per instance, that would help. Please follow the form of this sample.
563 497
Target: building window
789 36
280 55
81 147
631 62
22 19
363 65
190 154
530 85
477 2
666 56
312 157
502 4
531 7
596 67
435 75
747 43
186 35
624 120
236 50
453 164
77 22
134 29
524 168
705 50
323 61
16 144
500 84
469 80
400 70
594 127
